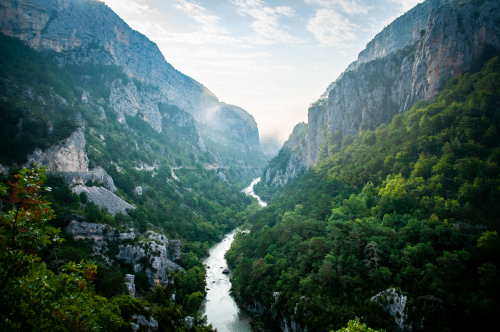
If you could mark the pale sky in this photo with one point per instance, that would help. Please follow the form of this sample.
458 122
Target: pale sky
270 57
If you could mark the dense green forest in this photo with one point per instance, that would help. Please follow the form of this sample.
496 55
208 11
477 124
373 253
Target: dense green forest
412 205
183 195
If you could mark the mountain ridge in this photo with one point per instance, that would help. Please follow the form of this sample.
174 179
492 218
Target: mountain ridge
374 89
88 31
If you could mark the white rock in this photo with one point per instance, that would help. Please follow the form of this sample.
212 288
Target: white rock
130 284
395 304
102 197
189 322
138 191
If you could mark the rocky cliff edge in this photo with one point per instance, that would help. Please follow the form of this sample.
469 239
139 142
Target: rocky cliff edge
409 61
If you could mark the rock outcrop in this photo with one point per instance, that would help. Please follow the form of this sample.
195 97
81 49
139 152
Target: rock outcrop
394 303
159 253
138 191
85 230
410 60
102 197
97 175
150 325
87 31
69 159
189 322
130 284
127 100
68 155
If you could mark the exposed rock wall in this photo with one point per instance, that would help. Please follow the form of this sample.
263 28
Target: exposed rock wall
127 100
82 31
150 325
67 156
97 175
102 197
130 284
85 230
439 40
158 252
395 304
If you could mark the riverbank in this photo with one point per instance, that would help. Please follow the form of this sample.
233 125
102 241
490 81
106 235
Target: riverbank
219 305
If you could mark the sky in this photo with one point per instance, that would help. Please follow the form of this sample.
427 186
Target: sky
272 58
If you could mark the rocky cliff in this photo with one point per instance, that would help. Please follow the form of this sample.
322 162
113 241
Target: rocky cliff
87 31
104 198
153 254
67 156
409 61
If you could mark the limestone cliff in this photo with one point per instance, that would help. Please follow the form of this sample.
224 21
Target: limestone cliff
410 60
104 198
125 99
87 31
158 251
67 156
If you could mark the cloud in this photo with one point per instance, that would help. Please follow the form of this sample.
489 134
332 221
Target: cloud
266 22
347 6
406 4
215 61
331 28
200 14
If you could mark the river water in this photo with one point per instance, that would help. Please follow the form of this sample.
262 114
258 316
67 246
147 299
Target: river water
249 191
219 305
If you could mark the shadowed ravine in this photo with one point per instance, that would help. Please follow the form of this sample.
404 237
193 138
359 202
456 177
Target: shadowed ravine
221 309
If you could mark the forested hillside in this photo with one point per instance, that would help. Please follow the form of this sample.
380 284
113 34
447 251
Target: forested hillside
412 205
174 189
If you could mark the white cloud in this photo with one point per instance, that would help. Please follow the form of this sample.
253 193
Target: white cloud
406 4
266 22
331 28
200 14
216 62
347 6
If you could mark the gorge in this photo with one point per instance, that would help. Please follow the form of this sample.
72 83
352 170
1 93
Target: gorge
133 199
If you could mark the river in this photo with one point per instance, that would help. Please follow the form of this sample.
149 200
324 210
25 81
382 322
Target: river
219 306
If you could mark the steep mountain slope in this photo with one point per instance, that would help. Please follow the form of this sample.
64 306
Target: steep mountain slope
135 187
399 228
410 60
87 31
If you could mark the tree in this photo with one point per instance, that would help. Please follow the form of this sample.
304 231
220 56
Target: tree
356 326
33 297
372 252
84 198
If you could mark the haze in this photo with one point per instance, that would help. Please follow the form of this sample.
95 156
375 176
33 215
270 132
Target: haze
272 58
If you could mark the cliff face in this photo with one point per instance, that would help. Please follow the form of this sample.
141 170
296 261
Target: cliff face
157 249
410 60
67 156
87 31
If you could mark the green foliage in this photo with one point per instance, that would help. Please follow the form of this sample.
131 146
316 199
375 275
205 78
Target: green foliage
39 108
33 297
83 197
356 326
412 205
